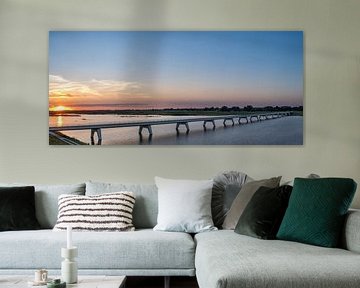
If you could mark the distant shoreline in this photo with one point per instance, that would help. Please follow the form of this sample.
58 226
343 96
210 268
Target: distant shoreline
296 111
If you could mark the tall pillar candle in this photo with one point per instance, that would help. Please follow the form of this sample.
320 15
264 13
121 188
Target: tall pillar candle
69 237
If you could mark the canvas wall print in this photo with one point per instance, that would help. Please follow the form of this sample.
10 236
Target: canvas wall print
176 88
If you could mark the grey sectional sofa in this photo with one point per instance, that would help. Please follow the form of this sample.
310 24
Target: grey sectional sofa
219 259
226 259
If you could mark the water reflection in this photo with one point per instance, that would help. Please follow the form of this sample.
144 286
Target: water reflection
145 140
59 121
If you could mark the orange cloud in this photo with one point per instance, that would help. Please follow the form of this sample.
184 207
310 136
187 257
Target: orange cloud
94 91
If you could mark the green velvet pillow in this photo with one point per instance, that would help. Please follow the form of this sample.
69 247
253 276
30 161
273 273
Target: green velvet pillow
316 211
17 208
263 215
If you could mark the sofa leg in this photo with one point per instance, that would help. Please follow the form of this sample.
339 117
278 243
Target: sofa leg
167 282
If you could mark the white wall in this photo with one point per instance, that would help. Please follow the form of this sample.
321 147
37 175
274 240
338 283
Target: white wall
332 90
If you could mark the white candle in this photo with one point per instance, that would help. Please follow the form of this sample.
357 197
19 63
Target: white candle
69 237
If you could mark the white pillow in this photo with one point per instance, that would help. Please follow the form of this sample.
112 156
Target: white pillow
184 205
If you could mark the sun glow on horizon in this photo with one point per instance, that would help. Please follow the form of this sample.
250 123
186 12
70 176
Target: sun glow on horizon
60 108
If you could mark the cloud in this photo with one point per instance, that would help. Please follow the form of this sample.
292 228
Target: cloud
98 90
56 79
61 87
111 86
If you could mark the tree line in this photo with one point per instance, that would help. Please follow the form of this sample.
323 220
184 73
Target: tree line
247 108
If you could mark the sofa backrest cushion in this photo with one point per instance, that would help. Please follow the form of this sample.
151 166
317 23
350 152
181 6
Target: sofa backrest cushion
146 204
46 200
350 234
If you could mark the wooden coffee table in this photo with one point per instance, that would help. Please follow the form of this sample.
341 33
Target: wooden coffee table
84 281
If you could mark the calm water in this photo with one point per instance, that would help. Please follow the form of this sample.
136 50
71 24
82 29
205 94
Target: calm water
282 131
127 135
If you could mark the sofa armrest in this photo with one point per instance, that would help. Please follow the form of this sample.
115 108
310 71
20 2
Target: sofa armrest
351 234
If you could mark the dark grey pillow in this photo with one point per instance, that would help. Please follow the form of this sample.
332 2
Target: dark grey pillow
263 214
243 198
226 187
17 209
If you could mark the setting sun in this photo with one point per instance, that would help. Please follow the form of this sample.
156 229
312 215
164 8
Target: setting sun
59 108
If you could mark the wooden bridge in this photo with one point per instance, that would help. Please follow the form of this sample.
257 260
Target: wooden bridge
241 119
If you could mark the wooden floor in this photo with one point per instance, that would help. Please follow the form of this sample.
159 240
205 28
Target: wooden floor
158 282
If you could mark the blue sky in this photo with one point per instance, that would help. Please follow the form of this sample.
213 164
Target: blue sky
176 69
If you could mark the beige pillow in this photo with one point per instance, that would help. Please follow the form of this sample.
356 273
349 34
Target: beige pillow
243 198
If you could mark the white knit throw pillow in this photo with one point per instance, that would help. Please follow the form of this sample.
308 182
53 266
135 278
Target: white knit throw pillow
105 212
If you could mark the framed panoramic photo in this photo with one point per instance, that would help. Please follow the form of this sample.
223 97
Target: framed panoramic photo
176 88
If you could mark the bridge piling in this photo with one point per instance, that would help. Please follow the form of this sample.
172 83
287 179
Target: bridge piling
230 119
98 133
148 127
243 117
186 124
254 117
263 117
211 121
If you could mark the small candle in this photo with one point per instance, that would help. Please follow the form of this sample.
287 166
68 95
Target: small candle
69 237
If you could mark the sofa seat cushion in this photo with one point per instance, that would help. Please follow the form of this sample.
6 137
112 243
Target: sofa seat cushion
142 249
225 259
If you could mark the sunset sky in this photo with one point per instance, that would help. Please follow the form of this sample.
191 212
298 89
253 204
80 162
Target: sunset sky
142 70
